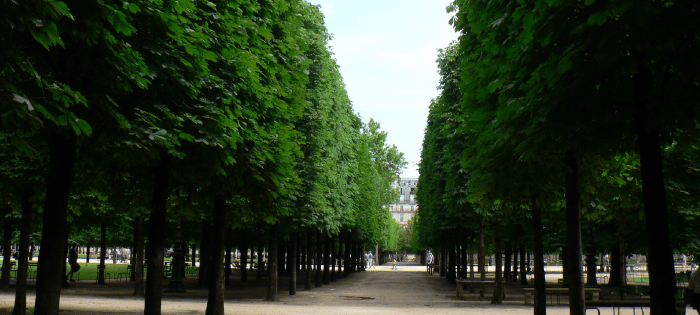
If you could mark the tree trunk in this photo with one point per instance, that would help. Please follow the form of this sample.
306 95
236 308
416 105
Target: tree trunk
293 263
471 261
333 257
540 299
137 265
443 260
156 240
327 259
319 257
591 267
577 303
660 259
281 261
215 302
272 264
103 254
52 256
227 261
6 250
507 270
205 255
64 281
498 288
523 267
346 256
514 274
353 254
463 256
309 259
261 261
22 263
244 257
451 260
482 257
339 256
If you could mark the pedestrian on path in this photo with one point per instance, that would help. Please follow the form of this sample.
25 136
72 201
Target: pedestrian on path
73 262
394 268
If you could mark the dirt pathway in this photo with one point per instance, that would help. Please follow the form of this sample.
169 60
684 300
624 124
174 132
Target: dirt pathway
409 290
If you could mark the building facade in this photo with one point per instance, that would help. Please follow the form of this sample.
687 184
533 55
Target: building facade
405 207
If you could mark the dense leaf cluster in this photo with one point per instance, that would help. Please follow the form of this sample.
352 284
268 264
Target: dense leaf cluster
154 109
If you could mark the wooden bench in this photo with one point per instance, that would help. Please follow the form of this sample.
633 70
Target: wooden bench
462 282
529 293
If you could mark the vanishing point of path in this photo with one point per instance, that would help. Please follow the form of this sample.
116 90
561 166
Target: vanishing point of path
410 290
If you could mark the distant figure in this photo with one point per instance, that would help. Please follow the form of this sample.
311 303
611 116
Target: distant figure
694 286
73 262
394 268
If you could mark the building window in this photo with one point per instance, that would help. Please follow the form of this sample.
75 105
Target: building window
391 208
402 209
401 218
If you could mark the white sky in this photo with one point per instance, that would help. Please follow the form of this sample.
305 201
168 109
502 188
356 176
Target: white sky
386 50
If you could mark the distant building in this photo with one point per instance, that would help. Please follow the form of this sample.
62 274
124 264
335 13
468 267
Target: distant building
405 208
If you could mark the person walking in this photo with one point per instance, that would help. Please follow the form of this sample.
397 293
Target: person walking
73 262
394 268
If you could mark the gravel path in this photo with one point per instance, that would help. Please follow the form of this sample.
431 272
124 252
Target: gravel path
410 290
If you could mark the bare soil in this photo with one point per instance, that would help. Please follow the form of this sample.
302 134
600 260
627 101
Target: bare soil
408 290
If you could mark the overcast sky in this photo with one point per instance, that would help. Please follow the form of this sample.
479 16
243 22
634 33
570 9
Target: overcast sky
386 50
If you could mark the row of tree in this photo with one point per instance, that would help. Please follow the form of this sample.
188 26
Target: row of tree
558 112
232 113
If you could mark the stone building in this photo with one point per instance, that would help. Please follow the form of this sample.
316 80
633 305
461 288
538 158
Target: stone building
405 207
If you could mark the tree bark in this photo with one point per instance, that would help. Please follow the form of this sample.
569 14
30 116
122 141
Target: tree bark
577 303
309 259
339 255
227 261
293 263
346 256
103 254
137 265
6 250
507 270
52 257
523 267
244 257
463 256
482 257
514 274
281 261
156 240
540 299
498 288
471 261
205 255
451 260
660 259
22 263
327 259
319 257
333 258
272 264
215 302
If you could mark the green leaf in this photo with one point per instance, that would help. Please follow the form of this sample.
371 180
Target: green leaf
84 126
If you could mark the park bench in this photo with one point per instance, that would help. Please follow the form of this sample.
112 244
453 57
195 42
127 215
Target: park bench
461 283
558 292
